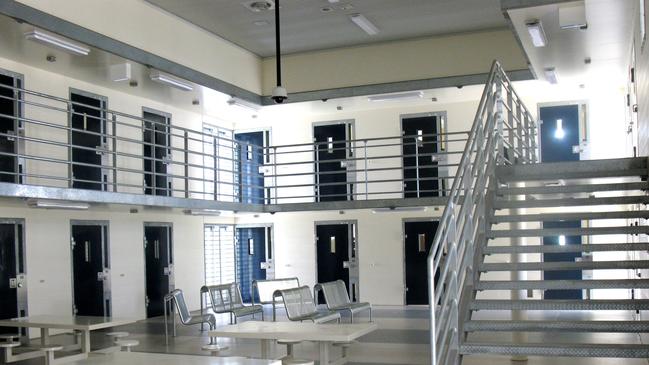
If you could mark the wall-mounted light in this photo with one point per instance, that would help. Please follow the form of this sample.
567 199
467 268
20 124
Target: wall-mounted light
58 42
559 133
535 29
399 209
244 104
169 80
364 23
410 95
210 212
57 204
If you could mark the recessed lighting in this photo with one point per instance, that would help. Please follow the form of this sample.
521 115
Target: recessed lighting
537 34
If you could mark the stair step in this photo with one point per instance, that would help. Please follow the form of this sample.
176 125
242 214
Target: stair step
635 166
623 214
557 304
584 231
567 248
567 189
557 349
554 326
563 284
569 265
570 202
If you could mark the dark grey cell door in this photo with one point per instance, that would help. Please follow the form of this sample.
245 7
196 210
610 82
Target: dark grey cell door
420 160
336 248
560 133
158 252
88 123
157 142
13 282
331 161
418 239
562 240
10 112
90 268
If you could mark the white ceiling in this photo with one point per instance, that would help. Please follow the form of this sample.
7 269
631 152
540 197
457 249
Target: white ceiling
305 27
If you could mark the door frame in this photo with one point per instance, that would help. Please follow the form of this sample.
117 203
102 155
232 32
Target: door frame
268 138
442 142
350 134
272 245
168 117
585 240
172 277
108 300
20 125
584 114
354 263
213 132
21 295
403 247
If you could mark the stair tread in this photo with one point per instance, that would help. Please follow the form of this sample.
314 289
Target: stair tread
567 231
560 304
576 188
567 248
631 166
569 265
621 214
551 326
562 284
557 349
501 203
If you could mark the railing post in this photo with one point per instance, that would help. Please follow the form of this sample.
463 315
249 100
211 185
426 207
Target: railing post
417 163
499 120
186 155
275 173
512 126
114 133
366 177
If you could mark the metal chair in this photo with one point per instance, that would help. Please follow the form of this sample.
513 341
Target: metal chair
226 298
300 306
186 318
337 299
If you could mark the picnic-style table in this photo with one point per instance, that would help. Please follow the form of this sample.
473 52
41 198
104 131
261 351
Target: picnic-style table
145 358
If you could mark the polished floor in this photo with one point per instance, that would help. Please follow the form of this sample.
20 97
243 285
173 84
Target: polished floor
402 338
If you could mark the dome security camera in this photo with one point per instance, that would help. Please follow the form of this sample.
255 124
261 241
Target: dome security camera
279 95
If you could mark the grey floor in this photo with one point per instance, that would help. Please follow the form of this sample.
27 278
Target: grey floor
402 338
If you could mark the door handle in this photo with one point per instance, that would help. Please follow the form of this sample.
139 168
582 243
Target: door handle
346 264
13 283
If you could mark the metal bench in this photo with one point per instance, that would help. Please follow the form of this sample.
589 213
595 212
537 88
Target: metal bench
337 299
300 306
186 318
226 298
266 288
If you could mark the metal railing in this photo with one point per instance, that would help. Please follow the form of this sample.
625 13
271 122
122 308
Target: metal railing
503 132
50 131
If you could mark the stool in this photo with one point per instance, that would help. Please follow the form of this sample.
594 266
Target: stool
49 353
344 346
294 361
7 346
126 344
214 349
9 337
115 335
289 347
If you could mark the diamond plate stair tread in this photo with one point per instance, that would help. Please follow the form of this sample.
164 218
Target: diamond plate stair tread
567 248
556 304
559 349
563 284
570 202
544 217
562 189
581 265
554 326
545 232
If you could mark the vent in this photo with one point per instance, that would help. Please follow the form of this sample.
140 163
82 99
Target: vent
259 6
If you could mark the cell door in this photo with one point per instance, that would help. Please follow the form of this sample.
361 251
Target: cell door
332 152
254 256
560 133
10 127
158 254
90 268
157 140
418 239
250 159
88 123
336 248
562 257
13 281
421 142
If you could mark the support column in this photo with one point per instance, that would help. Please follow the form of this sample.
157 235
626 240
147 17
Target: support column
518 315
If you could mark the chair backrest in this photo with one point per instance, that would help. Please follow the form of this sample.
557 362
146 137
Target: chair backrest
178 297
298 302
266 288
335 293
224 297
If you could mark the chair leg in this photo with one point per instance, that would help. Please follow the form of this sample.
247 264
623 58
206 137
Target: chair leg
352 315
370 314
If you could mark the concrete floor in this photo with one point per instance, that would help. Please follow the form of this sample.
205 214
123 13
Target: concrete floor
402 338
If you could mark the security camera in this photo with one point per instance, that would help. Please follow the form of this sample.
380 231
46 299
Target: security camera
279 95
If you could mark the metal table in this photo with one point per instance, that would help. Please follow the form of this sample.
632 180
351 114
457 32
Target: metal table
144 358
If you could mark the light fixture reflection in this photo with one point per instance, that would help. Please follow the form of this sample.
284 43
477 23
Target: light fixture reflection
559 133
562 240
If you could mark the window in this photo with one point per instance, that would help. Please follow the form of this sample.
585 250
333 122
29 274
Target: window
218 170
219 254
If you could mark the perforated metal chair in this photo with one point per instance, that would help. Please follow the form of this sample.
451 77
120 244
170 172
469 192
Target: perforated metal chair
226 298
186 318
300 306
337 299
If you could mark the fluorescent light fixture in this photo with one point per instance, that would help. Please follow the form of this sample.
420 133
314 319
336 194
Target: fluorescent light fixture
169 80
411 95
559 133
211 212
535 29
551 75
562 240
58 42
57 204
245 104
364 24
399 209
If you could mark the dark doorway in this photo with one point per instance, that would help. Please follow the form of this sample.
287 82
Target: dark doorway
560 133
10 112
254 254
90 269
336 248
331 161
420 160
13 291
418 239
88 122
250 158
157 140
158 254
562 257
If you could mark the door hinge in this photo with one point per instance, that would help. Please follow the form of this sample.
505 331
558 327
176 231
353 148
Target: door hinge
146 301
74 309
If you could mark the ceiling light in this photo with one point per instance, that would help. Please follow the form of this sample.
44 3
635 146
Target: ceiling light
57 204
535 28
411 95
364 24
399 209
551 75
49 39
211 212
169 80
245 104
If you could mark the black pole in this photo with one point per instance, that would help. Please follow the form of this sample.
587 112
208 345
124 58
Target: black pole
278 54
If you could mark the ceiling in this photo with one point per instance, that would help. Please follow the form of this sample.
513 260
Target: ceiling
305 27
